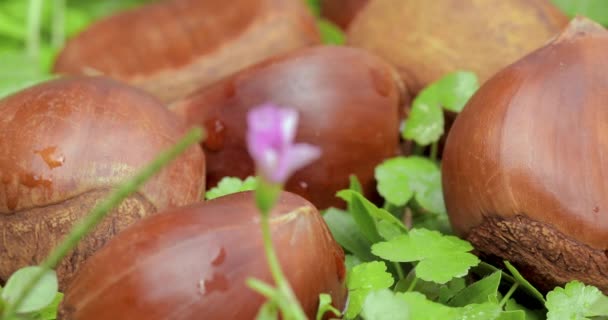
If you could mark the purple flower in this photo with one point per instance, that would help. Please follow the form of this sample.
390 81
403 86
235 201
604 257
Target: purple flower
270 135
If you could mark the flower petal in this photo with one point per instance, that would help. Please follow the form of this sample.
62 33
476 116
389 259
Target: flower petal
289 123
294 158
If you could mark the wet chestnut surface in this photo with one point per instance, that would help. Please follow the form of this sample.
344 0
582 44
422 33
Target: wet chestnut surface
349 104
64 145
192 263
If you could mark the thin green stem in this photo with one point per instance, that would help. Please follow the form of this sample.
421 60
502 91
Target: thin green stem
509 294
434 150
101 210
58 31
263 288
34 21
294 309
413 284
399 270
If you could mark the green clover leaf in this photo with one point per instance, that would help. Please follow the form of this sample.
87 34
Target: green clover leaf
230 185
363 279
441 257
575 301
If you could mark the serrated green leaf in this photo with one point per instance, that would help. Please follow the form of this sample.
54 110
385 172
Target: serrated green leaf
484 311
425 123
441 257
40 297
423 309
595 9
482 291
573 302
346 232
401 178
456 89
384 305
600 307
363 279
230 185
326 306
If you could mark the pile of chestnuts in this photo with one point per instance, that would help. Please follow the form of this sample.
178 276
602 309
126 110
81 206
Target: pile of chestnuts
523 166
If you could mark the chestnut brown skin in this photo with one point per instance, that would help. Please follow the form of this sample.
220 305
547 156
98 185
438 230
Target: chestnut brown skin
192 263
349 105
427 39
170 48
524 171
65 145
341 12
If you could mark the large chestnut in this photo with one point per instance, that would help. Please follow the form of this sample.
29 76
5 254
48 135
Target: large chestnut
64 145
172 47
192 263
525 167
427 39
349 105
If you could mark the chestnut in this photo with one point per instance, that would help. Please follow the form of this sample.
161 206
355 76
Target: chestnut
524 167
170 48
341 12
427 39
349 104
192 263
65 144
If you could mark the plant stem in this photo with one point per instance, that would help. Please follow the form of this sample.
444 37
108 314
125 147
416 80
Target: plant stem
58 32
293 306
399 270
413 284
34 18
434 150
101 210
509 294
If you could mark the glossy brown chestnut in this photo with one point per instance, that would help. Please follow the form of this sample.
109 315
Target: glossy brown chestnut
348 101
341 12
172 47
192 263
524 168
427 39
64 145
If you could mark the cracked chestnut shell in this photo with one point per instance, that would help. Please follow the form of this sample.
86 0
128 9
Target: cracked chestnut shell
525 167
172 47
349 105
65 144
427 39
192 263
